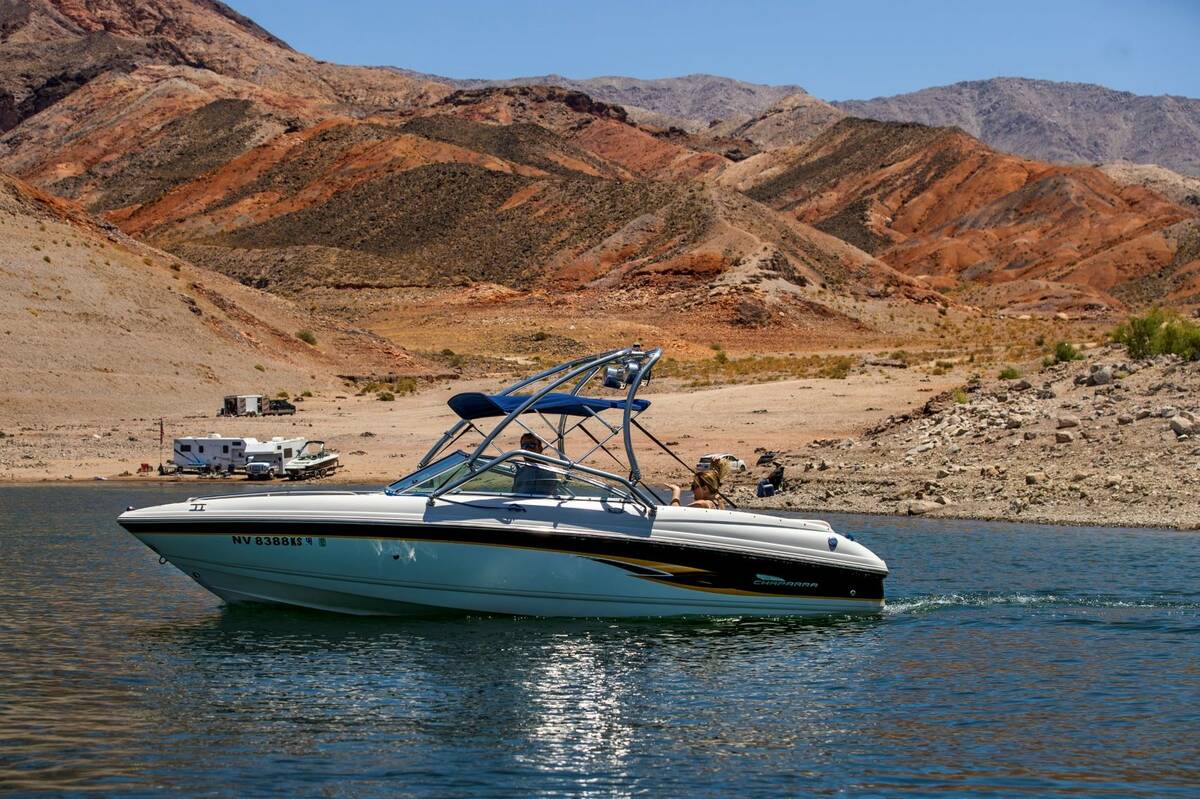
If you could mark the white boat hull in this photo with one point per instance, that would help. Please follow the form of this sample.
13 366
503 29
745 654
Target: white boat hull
489 559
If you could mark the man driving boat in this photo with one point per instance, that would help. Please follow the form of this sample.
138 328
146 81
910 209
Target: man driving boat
531 478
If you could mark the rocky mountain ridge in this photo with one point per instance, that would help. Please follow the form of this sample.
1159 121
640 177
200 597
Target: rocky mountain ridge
1051 121
936 203
229 148
690 101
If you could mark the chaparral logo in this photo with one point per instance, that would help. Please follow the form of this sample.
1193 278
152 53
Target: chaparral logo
772 580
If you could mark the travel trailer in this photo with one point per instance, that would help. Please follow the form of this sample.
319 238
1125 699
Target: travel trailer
242 405
215 453
211 453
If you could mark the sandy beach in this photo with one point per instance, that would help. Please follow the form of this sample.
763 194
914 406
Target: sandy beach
380 441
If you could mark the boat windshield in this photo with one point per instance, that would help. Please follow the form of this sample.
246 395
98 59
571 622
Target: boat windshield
431 478
509 478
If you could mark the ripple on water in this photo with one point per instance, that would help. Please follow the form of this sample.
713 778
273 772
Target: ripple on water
1009 660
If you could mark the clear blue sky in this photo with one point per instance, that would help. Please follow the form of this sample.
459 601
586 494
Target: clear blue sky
836 50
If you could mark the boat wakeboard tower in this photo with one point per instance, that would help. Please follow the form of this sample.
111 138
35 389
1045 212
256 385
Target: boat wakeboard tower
562 410
571 530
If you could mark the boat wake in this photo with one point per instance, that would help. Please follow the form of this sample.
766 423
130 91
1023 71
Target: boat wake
928 604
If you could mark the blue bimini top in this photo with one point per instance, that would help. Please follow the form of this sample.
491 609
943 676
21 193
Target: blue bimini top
474 405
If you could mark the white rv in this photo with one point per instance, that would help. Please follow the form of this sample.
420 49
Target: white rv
210 453
215 453
266 459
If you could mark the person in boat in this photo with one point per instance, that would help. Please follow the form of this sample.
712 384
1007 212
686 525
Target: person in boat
531 478
706 486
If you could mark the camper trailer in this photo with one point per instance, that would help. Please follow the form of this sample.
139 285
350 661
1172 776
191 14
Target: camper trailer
266 459
211 453
242 405
215 453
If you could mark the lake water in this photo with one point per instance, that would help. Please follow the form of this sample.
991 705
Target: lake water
1013 660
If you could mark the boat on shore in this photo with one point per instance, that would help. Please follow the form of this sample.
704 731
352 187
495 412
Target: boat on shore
532 531
313 460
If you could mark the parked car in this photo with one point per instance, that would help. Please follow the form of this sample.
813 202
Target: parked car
279 407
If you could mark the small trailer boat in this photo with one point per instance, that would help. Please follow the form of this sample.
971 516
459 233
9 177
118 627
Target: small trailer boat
314 460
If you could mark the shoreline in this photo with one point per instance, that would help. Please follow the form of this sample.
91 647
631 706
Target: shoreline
744 503
1100 442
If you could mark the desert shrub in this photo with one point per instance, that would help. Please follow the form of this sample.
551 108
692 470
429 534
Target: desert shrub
1065 351
836 368
281 395
306 393
721 357
260 367
1009 373
1180 337
960 396
307 337
1159 332
46 258
1040 341
405 385
541 335
386 396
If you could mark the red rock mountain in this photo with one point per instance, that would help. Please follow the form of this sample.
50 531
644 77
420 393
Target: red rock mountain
195 130
936 203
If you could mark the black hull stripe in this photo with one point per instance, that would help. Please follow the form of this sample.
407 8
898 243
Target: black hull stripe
685 566
268 573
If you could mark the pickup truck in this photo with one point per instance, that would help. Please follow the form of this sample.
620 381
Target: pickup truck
279 407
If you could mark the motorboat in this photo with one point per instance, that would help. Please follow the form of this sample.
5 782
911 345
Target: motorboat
483 526
313 460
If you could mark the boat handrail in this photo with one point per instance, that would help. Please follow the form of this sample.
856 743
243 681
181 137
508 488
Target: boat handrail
634 495
328 492
635 473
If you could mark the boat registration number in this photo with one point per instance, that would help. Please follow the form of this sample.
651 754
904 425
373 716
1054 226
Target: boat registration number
278 540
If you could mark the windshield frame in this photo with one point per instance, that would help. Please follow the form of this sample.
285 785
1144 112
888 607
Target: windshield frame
441 465
619 488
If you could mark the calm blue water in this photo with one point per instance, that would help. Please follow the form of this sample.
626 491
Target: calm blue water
1013 660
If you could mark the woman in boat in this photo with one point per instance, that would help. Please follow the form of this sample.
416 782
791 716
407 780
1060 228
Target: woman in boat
706 486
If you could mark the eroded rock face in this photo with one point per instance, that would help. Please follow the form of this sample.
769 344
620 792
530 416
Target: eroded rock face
936 202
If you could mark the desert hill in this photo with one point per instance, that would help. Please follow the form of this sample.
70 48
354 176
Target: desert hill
1047 120
441 198
937 203
1182 189
794 119
689 101
1051 121
94 323
51 48
221 144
